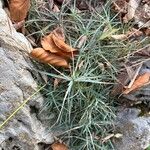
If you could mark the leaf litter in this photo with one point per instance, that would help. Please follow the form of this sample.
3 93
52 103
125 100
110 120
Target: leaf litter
55 51
135 73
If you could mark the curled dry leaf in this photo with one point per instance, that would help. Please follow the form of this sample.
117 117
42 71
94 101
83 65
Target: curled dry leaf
62 45
49 58
59 32
48 44
59 146
141 80
55 51
18 9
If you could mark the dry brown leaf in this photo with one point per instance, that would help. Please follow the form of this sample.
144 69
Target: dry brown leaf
59 32
62 45
59 146
18 9
48 44
55 51
49 58
141 80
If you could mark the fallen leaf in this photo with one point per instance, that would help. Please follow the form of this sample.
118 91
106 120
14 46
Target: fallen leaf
59 146
59 32
132 6
141 80
48 44
143 52
62 45
18 9
48 58
134 76
55 51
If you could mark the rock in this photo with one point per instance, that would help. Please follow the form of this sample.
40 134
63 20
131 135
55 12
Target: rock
25 131
134 128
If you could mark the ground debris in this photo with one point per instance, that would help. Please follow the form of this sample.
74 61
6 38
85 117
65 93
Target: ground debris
137 10
135 75
55 51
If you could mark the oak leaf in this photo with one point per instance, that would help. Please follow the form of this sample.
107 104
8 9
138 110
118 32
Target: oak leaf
49 58
141 80
18 9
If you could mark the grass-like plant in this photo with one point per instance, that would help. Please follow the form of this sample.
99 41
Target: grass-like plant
80 109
